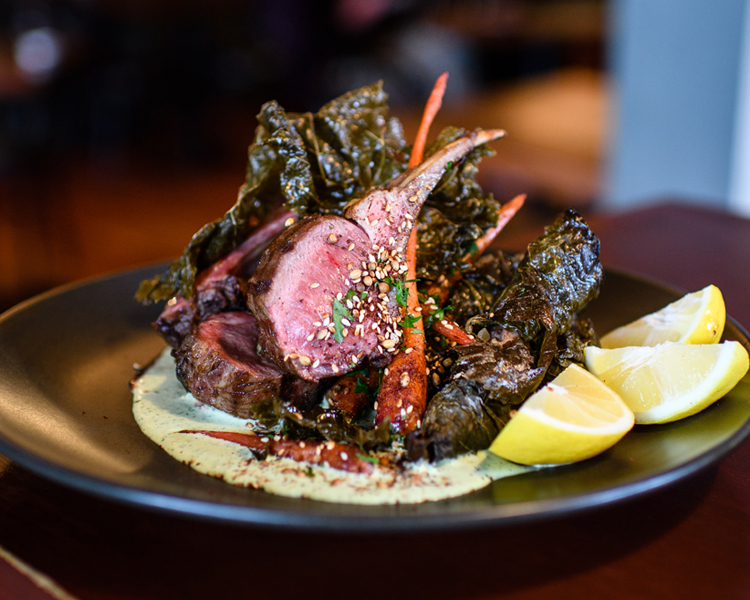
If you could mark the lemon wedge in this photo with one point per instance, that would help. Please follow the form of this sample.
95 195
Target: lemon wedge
696 318
670 381
572 418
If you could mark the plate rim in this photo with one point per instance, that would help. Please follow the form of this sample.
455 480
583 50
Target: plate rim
280 518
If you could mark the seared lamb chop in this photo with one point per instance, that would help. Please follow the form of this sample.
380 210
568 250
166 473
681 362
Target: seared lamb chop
323 292
217 362
221 287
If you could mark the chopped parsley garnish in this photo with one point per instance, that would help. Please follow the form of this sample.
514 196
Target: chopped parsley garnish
436 316
370 459
339 312
401 287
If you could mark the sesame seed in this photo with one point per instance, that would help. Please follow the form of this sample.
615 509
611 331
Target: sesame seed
289 221
405 379
293 355
345 332
355 274
346 322
310 337
351 247
368 281
409 409
388 343
435 379
332 239
335 368
314 285
321 334
344 456
302 444
408 350
317 323
373 223
326 321
305 361
413 198
400 403
316 364
339 296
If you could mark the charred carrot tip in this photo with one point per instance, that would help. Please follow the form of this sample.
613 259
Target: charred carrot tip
434 102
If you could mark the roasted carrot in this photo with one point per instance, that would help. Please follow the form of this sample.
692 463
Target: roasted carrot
452 332
403 391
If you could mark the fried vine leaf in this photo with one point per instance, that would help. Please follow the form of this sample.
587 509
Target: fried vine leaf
570 347
311 163
487 381
476 291
559 274
456 214
318 423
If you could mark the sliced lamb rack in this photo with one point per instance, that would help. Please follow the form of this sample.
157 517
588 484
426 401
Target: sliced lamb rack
326 266
217 362
221 287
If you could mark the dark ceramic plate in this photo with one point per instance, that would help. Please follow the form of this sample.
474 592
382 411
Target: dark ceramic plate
66 358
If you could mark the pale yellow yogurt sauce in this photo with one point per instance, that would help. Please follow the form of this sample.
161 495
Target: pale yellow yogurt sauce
163 409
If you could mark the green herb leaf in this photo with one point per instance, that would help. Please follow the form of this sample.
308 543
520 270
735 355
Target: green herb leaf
339 312
371 459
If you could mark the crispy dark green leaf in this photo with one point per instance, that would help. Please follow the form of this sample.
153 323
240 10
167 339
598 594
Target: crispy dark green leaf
486 382
318 423
476 291
311 163
456 214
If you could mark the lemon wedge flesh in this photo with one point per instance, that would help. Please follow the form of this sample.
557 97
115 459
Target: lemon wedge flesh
670 381
696 318
572 418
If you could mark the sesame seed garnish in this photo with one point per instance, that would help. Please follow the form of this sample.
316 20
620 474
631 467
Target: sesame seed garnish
413 198
409 409
293 355
305 361
400 403
388 343
314 285
344 456
344 332
326 321
405 379
332 239
368 281
335 368
346 322
316 364
435 379
322 334
302 444
310 337
386 371
373 223
289 221
351 247
408 350
355 274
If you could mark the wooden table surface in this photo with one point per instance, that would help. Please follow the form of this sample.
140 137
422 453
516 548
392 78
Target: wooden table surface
690 540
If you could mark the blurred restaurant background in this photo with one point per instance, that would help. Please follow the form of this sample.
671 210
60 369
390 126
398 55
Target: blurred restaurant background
124 123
